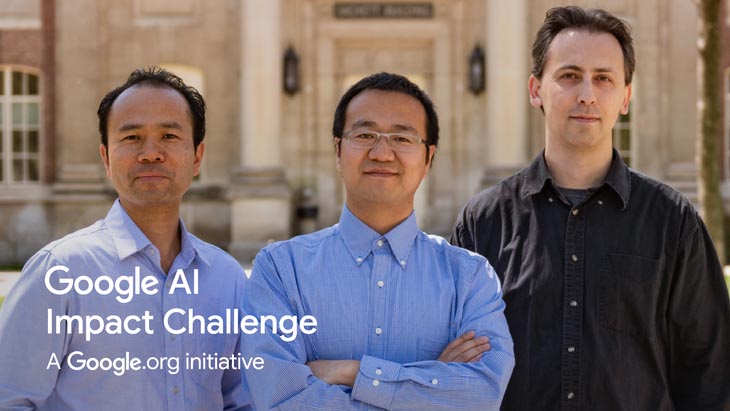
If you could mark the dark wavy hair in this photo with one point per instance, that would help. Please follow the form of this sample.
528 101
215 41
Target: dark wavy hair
161 78
558 19
389 82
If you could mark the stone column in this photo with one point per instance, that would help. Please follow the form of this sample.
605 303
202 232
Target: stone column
81 193
507 98
260 196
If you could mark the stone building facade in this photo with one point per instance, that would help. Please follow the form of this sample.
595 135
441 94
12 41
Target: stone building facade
269 161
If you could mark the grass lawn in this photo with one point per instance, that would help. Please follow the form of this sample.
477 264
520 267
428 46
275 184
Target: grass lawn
1 300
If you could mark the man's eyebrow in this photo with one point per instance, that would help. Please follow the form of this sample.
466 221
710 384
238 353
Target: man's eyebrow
129 126
569 67
403 127
573 67
171 124
370 123
135 126
363 123
604 70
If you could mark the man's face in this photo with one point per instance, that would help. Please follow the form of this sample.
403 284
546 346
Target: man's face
150 157
381 176
582 90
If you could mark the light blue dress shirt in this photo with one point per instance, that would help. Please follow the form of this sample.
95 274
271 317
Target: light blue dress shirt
115 246
392 301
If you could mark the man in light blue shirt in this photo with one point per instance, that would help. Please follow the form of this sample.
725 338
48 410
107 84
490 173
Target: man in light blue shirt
404 320
100 319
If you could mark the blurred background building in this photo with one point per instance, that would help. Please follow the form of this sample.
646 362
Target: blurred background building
272 72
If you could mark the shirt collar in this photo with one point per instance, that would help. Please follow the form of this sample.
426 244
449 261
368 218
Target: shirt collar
618 178
360 239
129 239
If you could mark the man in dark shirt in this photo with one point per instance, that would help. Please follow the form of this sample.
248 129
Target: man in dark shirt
615 296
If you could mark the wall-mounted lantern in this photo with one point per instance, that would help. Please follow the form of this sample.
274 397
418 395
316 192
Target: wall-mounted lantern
291 71
477 71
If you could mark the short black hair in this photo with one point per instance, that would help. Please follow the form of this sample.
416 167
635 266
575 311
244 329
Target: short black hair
156 77
388 82
558 19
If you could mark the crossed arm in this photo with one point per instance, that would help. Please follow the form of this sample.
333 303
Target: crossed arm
470 374
468 348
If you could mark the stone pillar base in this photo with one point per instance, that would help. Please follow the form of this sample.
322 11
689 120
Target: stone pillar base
260 211
79 204
80 197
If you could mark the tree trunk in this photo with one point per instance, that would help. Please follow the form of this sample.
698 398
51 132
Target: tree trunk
709 116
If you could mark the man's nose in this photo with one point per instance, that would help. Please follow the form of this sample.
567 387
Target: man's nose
151 152
382 150
587 93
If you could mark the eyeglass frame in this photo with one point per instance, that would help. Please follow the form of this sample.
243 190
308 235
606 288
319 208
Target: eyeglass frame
347 134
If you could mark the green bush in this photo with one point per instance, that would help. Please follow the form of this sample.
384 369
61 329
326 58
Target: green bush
1 300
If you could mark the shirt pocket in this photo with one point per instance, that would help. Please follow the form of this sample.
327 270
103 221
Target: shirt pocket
628 294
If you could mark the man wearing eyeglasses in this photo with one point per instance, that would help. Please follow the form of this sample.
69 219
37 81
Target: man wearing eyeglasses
404 320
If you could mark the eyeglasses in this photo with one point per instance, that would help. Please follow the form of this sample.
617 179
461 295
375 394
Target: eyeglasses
367 139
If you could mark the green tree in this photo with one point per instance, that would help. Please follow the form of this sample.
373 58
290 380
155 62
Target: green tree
709 115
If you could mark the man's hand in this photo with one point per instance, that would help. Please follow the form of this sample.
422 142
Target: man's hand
335 372
467 348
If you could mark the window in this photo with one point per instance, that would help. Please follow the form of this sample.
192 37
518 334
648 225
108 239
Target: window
20 124
622 136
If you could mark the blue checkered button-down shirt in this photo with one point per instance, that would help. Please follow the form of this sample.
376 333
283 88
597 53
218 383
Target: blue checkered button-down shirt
392 301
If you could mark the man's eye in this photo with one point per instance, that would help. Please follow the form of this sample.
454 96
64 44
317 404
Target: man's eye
169 136
604 79
569 76
403 140
363 136
130 138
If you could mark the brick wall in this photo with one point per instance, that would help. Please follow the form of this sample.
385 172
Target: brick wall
21 47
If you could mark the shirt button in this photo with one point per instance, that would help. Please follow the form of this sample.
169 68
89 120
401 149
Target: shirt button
381 283
571 349
573 303
550 199
403 263
600 202
570 395
574 257
173 336
434 381
376 383
359 260
575 211
378 331
151 251
378 371
175 390
380 243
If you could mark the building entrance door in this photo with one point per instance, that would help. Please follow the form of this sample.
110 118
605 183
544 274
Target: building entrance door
349 60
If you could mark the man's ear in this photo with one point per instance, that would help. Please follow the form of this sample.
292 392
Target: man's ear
103 150
338 147
431 152
533 86
627 99
198 158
